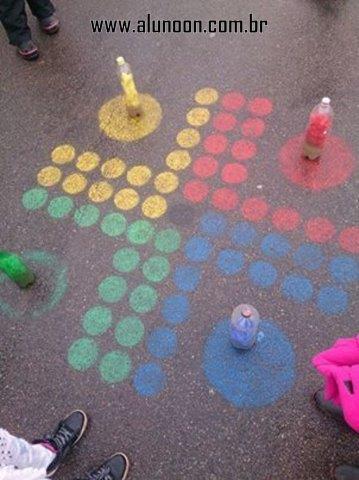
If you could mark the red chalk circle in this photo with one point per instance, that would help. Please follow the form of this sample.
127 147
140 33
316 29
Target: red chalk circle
319 230
254 209
205 166
349 239
234 173
224 122
253 127
334 167
215 144
243 149
225 199
286 219
260 106
233 101
195 191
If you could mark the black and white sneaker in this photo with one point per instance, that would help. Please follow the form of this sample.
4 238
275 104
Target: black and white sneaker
346 472
115 468
68 432
328 407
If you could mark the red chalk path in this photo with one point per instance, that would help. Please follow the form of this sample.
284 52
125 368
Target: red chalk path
225 199
205 166
253 127
333 168
224 122
254 209
195 191
233 101
286 219
319 230
260 107
349 239
215 144
243 150
234 173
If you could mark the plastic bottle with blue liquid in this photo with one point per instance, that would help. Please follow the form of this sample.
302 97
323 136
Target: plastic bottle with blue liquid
244 327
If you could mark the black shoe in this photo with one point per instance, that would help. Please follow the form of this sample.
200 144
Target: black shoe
328 407
68 432
50 25
115 468
28 50
346 472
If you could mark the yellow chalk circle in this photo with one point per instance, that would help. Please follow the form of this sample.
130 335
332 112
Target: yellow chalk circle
118 125
154 206
198 116
49 176
178 159
113 168
63 154
87 161
74 183
188 138
206 96
126 199
100 191
166 182
139 175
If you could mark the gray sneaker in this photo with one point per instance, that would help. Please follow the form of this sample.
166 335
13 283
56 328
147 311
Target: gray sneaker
346 472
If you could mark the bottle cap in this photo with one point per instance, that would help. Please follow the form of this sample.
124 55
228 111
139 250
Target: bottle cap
246 312
120 61
326 101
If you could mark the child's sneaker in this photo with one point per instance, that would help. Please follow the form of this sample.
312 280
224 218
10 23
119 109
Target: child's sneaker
28 50
68 432
50 25
346 472
115 468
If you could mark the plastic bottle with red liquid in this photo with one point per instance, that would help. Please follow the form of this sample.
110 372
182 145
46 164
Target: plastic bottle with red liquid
319 126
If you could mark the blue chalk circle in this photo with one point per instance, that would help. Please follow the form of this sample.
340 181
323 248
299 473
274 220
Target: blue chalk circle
263 274
162 343
332 300
297 288
275 246
344 269
244 234
213 224
230 262
175 309
149 379
186 278
250 378
198 249
308 256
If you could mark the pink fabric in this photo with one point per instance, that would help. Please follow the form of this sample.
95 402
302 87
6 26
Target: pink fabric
340 367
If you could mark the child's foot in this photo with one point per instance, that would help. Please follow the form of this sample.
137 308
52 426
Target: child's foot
346 472
68 432
327 407
115 468
28 50
50 25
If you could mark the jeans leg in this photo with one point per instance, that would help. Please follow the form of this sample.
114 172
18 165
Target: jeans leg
41 8
14 20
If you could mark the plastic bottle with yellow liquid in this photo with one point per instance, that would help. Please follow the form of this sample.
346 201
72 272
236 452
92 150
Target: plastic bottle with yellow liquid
132 98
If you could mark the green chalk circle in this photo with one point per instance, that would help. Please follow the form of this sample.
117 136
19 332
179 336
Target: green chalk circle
35 198
140 232
113 224
126 260
82 354
115 366
129 331
112 289
168 240
156 269
97 320
86 215
143 299
60 207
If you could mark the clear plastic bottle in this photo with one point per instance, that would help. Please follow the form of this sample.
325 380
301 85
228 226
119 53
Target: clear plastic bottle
319 126
244 326
132 97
